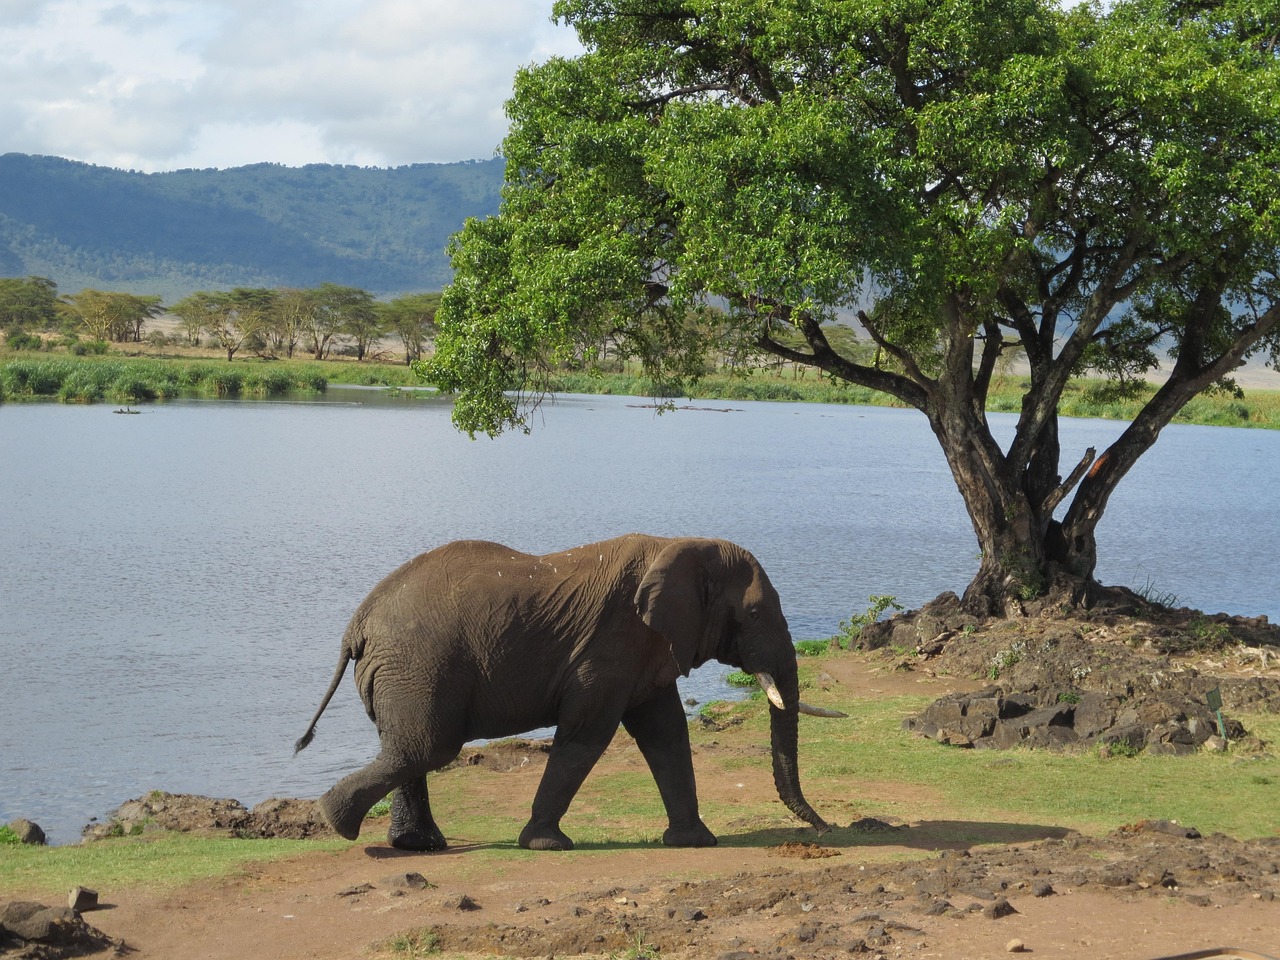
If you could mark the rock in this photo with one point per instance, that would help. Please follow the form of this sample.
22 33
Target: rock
287 818
406 881
1015 946
1170 827
51 932
1001 908
82 899
45 925
172 811
358 890
1043 889
463 902
27 832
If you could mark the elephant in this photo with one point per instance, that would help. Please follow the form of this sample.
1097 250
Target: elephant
474 640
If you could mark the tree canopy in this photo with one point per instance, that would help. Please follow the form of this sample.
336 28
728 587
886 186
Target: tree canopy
1092 186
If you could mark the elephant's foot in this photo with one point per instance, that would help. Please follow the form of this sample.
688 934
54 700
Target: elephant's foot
412 826
422 841
338 811
695 836
544 838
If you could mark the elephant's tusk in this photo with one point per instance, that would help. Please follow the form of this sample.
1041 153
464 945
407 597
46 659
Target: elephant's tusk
770 690
775 697
813 711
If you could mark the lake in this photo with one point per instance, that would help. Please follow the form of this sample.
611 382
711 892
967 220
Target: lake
174 585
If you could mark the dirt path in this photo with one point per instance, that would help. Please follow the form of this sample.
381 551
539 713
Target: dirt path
1144 894
870 889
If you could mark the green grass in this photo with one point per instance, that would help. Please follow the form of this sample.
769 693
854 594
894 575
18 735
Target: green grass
123 379
165 860
863 766
120 379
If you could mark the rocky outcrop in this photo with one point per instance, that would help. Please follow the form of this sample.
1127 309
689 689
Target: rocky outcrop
279 818
27 832
34 931
996 718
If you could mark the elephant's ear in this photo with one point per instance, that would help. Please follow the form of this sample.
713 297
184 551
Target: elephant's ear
673 599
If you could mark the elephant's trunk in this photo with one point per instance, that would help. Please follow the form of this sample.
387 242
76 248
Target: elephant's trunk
784 736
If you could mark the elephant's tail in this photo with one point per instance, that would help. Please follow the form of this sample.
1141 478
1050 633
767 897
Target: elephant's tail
307 737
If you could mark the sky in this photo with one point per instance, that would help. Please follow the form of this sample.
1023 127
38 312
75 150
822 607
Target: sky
155 85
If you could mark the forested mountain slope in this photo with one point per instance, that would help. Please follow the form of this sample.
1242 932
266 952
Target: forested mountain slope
383 230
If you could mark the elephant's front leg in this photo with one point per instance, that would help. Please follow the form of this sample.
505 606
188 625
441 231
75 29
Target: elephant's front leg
661 731
574 751
412 826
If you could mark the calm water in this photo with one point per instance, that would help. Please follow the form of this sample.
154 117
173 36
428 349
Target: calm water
173 585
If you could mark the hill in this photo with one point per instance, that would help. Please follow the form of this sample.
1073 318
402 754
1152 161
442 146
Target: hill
381 229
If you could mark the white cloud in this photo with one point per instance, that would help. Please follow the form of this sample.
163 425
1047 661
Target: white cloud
164 84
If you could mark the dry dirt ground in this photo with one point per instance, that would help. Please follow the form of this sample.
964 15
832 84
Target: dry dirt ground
868 888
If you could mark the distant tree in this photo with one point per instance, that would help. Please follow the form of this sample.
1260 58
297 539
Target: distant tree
108 315
323 324
30 302
413 319
357 315
245 313
193 313
231 318
290 318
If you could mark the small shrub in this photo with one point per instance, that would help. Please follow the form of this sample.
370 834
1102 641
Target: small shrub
132 388
19 339
1159 598
7 835
414 943
1208 635
1006 658
81 386
1117 748
740 679
88 348
812 648
225 383
851 630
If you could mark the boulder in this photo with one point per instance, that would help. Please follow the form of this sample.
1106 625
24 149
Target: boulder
994 718
27 832
38 930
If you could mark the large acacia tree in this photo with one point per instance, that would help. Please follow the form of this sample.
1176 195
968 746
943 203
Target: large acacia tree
1093 186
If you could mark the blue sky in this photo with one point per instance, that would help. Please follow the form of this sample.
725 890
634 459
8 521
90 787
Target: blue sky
167 84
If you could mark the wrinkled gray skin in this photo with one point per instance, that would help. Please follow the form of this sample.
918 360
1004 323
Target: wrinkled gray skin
475 640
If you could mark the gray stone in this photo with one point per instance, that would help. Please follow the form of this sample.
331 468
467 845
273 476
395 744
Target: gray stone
82 899
27 832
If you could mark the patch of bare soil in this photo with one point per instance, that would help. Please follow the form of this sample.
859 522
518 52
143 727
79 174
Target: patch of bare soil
873 887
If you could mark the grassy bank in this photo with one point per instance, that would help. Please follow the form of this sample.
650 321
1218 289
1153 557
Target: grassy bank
1082 398
121 379
117 379
862 766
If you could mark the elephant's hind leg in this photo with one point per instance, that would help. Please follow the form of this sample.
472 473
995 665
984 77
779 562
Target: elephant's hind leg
347 802
412 826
